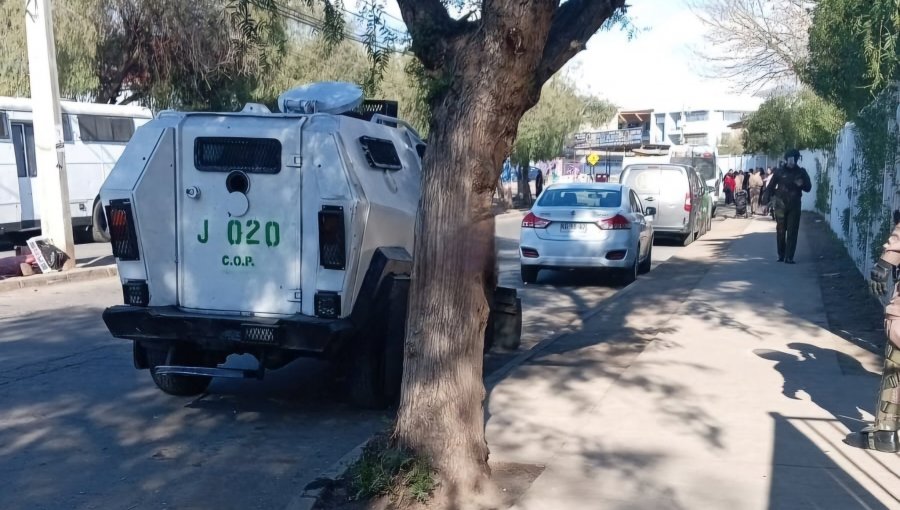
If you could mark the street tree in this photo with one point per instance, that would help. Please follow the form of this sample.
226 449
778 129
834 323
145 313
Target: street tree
799 120
162 53
853 51
756 44
544 128
483 70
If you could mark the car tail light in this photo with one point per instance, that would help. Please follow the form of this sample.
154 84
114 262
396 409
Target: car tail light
617 222
532 221
123 236
530 253
687 202
332 240
616 255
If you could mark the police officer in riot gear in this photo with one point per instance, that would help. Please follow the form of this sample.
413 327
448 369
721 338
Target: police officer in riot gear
883 434
786 188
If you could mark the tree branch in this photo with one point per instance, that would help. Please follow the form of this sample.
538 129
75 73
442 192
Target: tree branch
431 29
574 22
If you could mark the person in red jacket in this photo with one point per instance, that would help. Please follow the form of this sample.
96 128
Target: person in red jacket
728 186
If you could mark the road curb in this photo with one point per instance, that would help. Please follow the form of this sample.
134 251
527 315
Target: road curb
43 280
310 495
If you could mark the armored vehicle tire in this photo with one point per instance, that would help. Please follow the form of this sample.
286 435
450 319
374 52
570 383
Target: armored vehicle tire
178 385
376 361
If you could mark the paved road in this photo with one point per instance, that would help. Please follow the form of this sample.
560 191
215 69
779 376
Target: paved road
80 428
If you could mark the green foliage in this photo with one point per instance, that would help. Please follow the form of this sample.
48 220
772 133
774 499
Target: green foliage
383 469
560 111
731 144
886 225
877 146
853 51
802 120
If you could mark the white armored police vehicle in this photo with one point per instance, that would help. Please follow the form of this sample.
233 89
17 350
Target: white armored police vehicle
274 234
279 235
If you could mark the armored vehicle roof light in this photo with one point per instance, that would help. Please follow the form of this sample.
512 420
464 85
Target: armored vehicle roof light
323 97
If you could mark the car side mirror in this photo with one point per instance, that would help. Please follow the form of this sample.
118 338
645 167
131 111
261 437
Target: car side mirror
650 211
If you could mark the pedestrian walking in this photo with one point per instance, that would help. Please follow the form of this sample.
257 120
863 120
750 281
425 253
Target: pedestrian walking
728 185
884 434
738 181
756 184
787 187
538 183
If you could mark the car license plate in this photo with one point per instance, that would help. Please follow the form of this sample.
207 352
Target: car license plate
574 227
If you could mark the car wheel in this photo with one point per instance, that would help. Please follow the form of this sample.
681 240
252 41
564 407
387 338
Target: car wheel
529 274
178 385
630 274
688 238
644 268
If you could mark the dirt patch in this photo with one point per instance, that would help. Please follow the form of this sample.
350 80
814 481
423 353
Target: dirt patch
853 313
512 479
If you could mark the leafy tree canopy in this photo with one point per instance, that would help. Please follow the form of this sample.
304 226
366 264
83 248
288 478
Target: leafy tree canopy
801 120
853 51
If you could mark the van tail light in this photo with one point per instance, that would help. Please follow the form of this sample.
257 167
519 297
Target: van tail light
332 240
532 221
122 233
617 222
687 202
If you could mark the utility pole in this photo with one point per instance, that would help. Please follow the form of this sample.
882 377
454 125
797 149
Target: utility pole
53 185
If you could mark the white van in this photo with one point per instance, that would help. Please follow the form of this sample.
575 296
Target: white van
95 136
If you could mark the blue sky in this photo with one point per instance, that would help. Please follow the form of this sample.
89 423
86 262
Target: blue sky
657 69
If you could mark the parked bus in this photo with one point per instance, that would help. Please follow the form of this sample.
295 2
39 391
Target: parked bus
703 159
94 137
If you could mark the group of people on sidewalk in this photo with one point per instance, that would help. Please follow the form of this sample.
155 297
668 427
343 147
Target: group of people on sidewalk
755 183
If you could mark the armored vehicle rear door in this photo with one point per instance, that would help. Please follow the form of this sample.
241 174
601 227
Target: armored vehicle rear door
239 213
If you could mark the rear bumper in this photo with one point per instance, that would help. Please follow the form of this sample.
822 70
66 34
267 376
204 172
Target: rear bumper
311 335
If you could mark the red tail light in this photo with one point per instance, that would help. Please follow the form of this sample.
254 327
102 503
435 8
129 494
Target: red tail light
687 202
532 221
617 222
123 236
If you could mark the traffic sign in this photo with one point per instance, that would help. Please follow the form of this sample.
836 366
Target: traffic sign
593 159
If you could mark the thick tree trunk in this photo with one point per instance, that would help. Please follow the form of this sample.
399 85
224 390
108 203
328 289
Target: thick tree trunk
488 73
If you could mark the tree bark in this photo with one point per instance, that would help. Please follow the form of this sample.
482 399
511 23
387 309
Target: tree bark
488 75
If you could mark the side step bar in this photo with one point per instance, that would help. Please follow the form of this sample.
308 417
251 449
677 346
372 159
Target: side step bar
230 373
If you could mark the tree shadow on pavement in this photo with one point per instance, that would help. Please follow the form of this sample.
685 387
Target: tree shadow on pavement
81 428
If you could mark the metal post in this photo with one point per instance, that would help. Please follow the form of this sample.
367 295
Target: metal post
53 188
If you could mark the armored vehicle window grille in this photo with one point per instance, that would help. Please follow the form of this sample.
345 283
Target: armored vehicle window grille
4 127
226 154
97 128
380 153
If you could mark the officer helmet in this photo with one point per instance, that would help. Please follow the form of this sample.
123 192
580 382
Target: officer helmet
792 153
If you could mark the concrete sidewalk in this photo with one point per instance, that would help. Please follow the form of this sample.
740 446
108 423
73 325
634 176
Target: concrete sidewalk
713 383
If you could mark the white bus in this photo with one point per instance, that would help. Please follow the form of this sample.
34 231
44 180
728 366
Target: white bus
95 136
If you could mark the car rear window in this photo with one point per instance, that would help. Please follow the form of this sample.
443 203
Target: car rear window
580 198
654 181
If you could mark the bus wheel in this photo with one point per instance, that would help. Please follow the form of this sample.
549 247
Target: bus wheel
99 229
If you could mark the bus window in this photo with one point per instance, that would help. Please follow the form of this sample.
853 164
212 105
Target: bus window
67 128
4 126
96 128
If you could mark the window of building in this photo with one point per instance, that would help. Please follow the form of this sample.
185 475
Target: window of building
697 116
701 139
4 126
97 128
734 116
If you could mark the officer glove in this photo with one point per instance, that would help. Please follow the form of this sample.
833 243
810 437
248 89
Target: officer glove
878 278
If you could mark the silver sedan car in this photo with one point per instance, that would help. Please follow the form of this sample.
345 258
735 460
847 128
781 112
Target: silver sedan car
584 226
